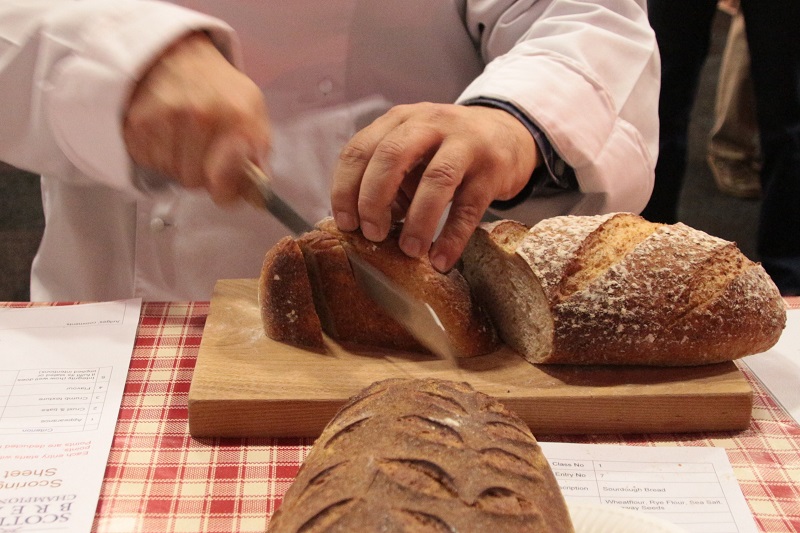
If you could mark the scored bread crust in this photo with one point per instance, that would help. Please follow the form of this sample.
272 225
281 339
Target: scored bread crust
424 455
617 289
346 313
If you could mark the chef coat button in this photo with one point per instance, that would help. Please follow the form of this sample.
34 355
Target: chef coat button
157 224
325 86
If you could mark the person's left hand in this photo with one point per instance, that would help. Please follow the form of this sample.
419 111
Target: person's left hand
415 159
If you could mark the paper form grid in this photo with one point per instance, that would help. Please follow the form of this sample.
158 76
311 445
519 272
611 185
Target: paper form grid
691 487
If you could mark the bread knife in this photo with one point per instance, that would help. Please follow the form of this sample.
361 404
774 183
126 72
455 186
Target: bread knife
417 317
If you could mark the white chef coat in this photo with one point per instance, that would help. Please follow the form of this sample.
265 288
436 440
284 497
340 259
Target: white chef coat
585 72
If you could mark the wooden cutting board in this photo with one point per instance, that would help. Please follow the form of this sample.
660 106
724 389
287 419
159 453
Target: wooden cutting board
247 385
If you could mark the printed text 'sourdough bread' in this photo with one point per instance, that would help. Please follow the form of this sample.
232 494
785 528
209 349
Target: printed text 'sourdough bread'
618 289
424 456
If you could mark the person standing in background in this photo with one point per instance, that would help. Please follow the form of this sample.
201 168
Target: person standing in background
682 30
734 156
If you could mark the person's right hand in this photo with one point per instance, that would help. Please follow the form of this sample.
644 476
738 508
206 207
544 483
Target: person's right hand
194 118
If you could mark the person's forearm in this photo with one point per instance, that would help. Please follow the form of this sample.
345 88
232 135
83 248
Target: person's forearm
587 75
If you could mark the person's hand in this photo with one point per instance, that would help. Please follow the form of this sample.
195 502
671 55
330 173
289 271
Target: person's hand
194 118
415 159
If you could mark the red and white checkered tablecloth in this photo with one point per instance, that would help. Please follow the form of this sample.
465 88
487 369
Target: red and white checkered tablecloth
161 480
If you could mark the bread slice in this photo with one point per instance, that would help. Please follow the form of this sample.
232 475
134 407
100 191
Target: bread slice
617 289
285 298
347 314
424 455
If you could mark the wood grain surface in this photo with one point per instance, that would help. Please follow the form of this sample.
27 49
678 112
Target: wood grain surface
247 385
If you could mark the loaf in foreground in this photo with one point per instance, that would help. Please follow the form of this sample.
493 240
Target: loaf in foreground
424 456
617 289
306 286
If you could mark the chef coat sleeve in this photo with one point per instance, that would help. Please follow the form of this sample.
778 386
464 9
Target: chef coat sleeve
586 72
67 70
553 175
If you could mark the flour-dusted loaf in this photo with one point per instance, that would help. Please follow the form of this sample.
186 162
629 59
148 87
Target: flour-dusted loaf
424 456
617 289
326 297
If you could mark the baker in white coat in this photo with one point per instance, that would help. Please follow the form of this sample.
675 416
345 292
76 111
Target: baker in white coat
138 113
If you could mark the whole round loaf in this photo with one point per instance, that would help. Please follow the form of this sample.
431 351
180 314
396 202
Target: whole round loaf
617 289
424 456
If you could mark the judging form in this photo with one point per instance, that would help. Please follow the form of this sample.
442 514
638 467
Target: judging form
692 487
62 375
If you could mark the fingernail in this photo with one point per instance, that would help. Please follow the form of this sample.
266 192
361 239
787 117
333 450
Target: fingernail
345 221
411 246
439 262
370 231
